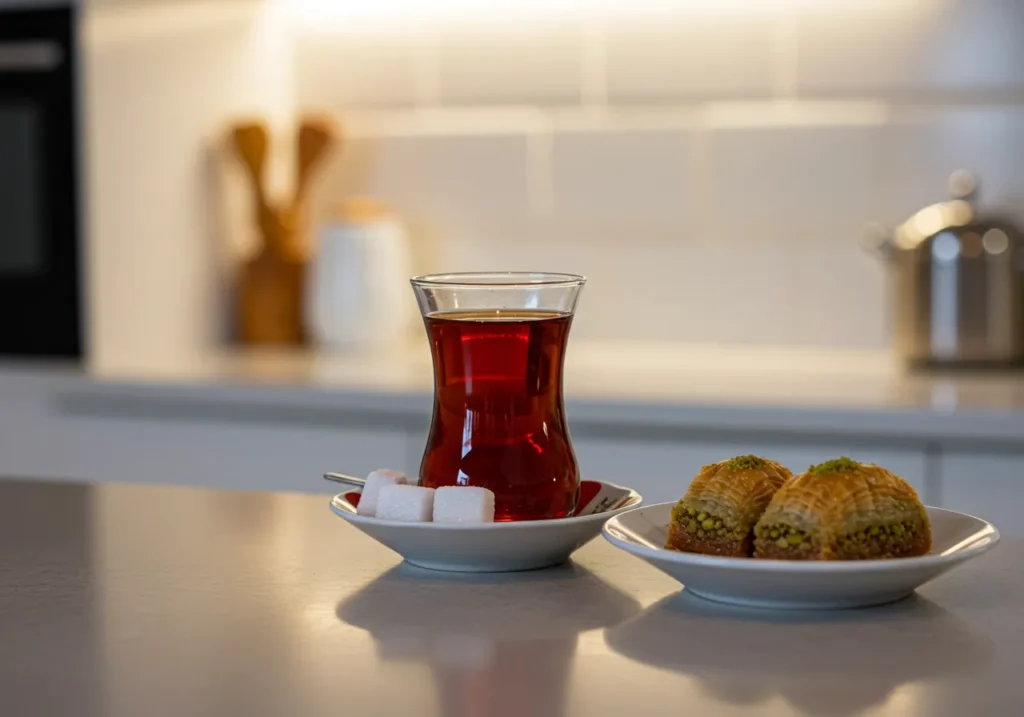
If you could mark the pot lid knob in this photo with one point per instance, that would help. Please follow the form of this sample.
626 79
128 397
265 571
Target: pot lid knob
963 185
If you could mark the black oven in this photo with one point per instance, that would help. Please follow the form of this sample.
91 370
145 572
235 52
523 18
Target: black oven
40 293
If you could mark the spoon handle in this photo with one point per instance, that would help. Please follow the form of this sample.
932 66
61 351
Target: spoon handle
347 480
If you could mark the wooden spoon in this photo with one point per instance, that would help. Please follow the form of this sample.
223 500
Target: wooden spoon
250 142
314 139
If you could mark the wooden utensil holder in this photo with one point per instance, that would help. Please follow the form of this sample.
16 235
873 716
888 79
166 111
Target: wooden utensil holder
271 285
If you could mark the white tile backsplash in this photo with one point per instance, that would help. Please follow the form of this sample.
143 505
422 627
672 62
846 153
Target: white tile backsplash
841 295
435 177
695 289
711 171
658 284
787 185
352 71
685 57
529 64
913 48
627 178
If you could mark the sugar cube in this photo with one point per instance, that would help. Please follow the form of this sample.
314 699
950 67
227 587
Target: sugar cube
407 503
463 504
374 482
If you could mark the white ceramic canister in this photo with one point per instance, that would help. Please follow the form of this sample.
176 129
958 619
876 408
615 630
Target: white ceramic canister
358 288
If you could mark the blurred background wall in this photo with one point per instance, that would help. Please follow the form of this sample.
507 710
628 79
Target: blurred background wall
711 166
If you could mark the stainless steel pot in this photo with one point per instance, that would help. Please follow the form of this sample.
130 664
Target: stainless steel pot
959 283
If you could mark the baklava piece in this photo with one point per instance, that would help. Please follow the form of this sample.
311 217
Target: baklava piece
718 513
843 510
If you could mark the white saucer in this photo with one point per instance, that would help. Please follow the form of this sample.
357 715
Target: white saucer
797 585
486 547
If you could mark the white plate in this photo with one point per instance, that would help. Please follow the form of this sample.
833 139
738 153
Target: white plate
487 547
801 585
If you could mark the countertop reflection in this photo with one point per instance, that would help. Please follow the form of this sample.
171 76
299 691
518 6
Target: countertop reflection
500 644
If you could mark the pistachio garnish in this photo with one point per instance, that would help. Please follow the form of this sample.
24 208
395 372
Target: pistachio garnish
836 465
741 463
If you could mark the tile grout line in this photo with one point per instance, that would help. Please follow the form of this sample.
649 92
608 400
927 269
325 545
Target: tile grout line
707 116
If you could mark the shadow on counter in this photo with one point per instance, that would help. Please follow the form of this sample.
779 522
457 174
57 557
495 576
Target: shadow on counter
820 662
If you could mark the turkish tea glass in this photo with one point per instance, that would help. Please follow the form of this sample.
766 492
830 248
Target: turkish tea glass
498 343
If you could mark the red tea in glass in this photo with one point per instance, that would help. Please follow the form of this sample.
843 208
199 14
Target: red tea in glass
498 345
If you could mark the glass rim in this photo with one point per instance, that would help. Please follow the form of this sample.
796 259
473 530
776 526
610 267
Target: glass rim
498 279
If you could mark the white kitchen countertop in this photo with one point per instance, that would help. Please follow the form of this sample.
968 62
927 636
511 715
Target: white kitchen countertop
260 604
637 386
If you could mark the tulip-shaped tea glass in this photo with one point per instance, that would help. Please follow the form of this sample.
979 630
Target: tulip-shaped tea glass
498 344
